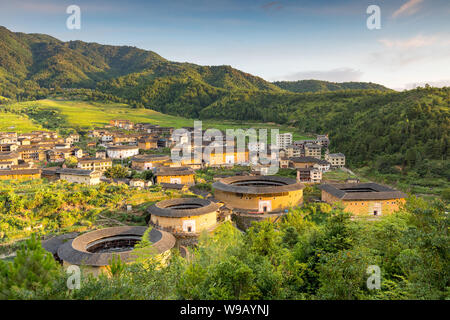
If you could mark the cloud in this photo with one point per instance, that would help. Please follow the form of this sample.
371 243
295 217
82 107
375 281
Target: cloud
334 75
397 53
409 8
274 5
414 42
438 84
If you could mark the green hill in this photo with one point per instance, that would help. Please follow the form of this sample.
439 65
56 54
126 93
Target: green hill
325 86
35 62
368 122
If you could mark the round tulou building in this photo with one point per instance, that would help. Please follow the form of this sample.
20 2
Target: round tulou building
184 216
258 194
95 250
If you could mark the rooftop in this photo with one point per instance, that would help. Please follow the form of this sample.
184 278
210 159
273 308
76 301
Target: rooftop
94 248
183 207
362 191
257 184
174 171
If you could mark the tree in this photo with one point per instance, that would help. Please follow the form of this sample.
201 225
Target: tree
116 172
71 162
32 270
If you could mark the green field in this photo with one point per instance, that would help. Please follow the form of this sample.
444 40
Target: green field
94 114
18 123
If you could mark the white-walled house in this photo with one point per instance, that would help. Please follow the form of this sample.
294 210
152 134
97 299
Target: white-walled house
122 152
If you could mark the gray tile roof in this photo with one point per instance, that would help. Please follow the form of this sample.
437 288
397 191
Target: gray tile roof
183 207
74 251
257 184
379 192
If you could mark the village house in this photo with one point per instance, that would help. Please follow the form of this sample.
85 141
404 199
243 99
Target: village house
88 177
226 157
309 175
148 143
148 161
323 140
8 139
175 175
137 183
25 174
101 154
174 186
337 160
322 165
284 162
77 152
302 162
122 152
8 147
31 153
107 137
124 138
294 151
95 164
24 141
7 159
313 150
363 199
124 124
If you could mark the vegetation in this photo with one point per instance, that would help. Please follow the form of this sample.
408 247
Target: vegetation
325 86
42 208
315 252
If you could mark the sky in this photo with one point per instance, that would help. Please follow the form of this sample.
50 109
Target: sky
276 40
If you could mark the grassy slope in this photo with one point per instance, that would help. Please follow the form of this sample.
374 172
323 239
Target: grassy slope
18 123
91 114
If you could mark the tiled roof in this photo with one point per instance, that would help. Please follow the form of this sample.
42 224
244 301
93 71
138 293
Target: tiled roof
262 184
75 252
379 192
187 207
174 171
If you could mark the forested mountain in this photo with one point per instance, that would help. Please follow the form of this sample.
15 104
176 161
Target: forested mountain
324 86
366 121
36 62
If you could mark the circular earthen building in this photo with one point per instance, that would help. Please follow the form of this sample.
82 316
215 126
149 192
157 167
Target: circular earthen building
184 215
259 193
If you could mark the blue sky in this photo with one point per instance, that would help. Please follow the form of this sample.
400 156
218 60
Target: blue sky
277 40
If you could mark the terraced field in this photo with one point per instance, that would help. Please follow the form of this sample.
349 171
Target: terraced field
18 123
93 114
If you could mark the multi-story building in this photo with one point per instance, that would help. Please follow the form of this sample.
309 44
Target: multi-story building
322 165
309 175
313 150
302 162
122 152
323 140
294 151
337 160
31 153
284 139
149 162
95 164
148 143
8 147
226 157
